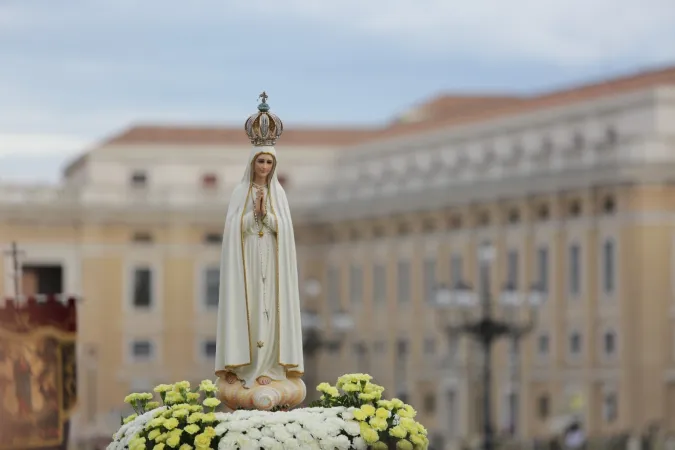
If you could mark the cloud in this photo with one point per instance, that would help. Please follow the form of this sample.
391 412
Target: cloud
31 145
562 32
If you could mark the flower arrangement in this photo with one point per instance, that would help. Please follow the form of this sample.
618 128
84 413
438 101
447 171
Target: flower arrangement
350 415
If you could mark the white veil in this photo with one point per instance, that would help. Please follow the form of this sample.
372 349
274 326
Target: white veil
232 348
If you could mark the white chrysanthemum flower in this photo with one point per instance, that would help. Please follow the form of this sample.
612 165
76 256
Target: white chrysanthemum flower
269 443
254 433
221 428
230 441
292 444
359 444
267 431
305 437
349 414
239 425
293 428
352 428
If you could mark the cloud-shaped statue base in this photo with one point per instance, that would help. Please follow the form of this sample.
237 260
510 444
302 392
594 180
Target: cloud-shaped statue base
286 393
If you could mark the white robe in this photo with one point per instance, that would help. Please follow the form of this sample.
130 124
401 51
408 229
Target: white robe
244 298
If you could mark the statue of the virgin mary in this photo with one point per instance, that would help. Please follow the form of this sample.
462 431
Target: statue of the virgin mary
259 338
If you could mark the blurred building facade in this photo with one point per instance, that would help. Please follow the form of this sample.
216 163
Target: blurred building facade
574 188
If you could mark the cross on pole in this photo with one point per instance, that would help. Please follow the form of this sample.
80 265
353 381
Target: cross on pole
14 253
264 97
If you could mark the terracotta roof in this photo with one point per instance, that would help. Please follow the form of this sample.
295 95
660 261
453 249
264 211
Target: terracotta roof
447 106
441 112
186 135
612 86
152 134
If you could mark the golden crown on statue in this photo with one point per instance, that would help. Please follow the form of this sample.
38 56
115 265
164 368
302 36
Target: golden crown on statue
263 128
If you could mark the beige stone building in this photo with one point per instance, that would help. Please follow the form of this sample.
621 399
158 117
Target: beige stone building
573 188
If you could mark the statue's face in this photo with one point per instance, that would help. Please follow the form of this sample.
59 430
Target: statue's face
263 165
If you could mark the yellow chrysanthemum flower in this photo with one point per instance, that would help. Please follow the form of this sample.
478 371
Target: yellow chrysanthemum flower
378 424
351 387
156 422
367 397
152 405
202 441
173 441
209 418
130 418
418 440
154 433
162 437
368 409
185 447
174 397
183 385
398 432
379 445
397 403
159 446
195 417
383 413
360 415
207 386
409 424
323 387
131 398
386 404
180 413
163 388
404 445
192 396
368 434
211 402
210 432
192 429
171 423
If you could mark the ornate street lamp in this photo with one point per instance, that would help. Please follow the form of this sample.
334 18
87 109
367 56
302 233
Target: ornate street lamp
486 329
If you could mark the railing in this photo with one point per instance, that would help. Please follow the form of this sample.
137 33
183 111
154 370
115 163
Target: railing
174 197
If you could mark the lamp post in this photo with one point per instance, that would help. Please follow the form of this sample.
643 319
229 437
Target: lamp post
486 329
314 336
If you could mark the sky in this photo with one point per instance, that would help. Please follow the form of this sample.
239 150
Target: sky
73 72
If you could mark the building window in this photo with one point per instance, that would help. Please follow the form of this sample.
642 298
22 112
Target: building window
142 284
429 279
575 344
378 231
403 228
333 286
209 349
213 238
543 212
609 343
138 179
543 345
608 266
429 403
211 286
355 283
542 268
514 216
609 205
209 181
543 407
455 270
574 208
403 281
574 269
455 222
610 407
484 219
142 351
142 237
512 268
379 284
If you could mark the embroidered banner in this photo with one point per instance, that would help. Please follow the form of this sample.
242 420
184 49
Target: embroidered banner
37 373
